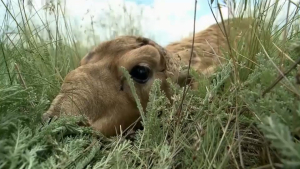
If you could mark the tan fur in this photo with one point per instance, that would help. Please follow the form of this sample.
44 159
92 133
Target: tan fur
98 90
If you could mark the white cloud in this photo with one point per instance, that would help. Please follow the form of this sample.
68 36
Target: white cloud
174 7
166 20
284 11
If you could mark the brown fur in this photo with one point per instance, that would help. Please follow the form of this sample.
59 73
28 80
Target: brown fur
98 90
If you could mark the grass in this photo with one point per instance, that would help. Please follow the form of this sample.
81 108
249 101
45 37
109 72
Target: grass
226 123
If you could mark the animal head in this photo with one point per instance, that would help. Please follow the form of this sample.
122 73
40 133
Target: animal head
98 89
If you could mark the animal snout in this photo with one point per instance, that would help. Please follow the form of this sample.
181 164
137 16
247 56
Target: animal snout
47 117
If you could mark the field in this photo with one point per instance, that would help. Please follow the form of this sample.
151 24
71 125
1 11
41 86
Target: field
247 115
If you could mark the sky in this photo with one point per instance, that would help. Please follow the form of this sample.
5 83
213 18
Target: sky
164 20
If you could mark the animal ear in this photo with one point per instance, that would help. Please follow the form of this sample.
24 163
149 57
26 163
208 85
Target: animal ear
177 66
185 56
87 58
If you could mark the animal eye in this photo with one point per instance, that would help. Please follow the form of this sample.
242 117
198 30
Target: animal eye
140 73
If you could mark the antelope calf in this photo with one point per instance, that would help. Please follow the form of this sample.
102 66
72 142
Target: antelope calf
98 89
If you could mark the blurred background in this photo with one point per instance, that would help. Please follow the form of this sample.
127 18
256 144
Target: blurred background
92 21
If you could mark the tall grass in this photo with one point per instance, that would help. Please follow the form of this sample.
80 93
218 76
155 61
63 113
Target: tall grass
226 123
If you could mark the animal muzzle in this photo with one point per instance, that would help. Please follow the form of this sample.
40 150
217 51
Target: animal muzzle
71 101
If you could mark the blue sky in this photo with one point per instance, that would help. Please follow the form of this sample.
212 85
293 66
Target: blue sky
164 20
203 3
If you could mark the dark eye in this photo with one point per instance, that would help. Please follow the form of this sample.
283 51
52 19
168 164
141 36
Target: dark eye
140 73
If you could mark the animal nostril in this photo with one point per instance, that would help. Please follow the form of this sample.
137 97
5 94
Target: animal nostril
121 87
47 118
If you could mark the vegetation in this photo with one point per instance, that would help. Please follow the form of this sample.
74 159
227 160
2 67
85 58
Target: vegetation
236 119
